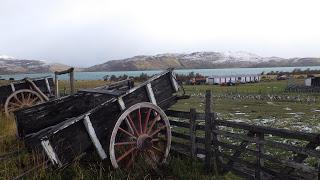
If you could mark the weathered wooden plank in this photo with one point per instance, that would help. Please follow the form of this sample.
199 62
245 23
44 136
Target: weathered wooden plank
274 131
289 163
238 171
262 129
179 124
243 145
180 135
273 144
139 95
38 117
299 158
162 87
178 114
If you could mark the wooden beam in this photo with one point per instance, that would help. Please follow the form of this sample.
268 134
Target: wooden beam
151 94
87 123
50 152
72 81
240 149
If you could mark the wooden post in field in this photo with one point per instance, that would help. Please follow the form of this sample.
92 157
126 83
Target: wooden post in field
260 162
193 133
56 82
72 80
208 133
71 74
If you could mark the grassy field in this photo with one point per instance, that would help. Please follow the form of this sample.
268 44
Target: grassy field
300 116
290 115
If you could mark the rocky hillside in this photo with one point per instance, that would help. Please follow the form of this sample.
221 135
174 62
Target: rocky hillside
196 60
10 65
201 60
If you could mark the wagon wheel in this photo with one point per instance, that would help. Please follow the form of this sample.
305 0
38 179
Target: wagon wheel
21 99
142 134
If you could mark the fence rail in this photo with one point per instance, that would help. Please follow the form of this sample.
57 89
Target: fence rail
251 151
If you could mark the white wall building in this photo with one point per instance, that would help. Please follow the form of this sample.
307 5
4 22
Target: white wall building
248 78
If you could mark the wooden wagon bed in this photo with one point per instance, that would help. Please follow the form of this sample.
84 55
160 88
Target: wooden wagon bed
68 127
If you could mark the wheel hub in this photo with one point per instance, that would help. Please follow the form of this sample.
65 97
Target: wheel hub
144 142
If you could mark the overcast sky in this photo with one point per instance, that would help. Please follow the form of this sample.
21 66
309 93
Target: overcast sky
87 32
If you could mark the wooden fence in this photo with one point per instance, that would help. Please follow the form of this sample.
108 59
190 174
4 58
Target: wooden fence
253 152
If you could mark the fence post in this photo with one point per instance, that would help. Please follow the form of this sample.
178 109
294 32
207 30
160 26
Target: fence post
193 133
72 81
208 133
56 85
260 150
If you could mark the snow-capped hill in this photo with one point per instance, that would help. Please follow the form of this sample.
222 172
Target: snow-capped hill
10 65
6 57
242 56
203 60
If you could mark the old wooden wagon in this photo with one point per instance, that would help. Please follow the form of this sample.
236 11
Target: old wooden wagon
31 91
122 123
25 93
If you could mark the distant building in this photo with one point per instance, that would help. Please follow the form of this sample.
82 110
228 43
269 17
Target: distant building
197 81
312 82
248 78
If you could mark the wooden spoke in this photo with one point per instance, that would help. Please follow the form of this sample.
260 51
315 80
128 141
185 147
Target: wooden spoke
28 99
126 154
157 149
17 99
155 140
12 109
125 143
14 104
34 100
139 119
126 132
153 123
132 125
146 121
133 157
22 98
158 130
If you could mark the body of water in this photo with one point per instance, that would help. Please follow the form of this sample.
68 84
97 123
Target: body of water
205 72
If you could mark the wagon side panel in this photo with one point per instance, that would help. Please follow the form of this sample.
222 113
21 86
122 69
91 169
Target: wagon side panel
45 85
103 121
70 142
139 95
5 91
21 85
53 112
163 90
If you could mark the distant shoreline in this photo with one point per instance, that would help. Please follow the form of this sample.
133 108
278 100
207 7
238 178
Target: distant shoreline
205 72
164 69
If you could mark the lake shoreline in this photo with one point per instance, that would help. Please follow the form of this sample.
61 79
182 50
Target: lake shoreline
82 75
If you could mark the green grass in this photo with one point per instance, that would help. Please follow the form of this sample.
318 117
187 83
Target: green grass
280 114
